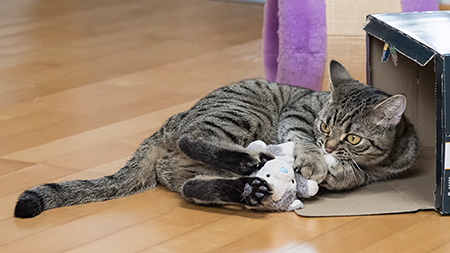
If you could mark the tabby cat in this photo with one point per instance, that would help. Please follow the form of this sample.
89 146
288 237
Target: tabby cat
200 152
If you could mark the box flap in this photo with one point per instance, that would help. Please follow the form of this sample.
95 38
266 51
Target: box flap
417 35
407 46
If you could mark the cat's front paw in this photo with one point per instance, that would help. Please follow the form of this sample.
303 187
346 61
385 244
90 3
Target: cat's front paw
254 161
256 192
344 176
311 166
335 178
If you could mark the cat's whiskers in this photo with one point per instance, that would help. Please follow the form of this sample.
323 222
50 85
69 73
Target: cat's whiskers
365 173
352 170
344 163
356 166
357 171
345 158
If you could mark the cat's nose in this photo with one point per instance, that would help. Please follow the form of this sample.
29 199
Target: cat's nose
330 146
329 150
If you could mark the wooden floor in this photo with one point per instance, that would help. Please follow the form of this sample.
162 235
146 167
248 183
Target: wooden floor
83 82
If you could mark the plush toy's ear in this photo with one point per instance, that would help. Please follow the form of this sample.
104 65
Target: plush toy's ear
289 159
283 149
257 145
338 75
389 112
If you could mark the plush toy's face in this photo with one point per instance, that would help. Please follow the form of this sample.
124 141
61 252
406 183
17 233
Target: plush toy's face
280 177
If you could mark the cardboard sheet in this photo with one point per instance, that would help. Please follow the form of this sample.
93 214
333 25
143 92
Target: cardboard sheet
410 193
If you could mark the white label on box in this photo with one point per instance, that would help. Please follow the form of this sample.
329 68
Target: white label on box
447 156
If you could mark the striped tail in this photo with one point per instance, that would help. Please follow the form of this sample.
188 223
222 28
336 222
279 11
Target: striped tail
137 175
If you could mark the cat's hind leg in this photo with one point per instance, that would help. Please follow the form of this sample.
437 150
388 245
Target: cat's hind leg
223 155
247 191
201 183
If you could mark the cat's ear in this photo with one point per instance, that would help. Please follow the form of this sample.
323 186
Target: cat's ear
390 111
338 75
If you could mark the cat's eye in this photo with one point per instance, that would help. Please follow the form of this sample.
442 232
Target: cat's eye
353 139
325 128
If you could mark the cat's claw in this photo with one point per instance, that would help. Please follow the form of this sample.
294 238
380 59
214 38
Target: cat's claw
254 162
311 166
256 192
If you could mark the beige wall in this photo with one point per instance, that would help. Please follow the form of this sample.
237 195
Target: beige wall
346 39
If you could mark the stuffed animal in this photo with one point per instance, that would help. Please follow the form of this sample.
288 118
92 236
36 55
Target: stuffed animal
287 186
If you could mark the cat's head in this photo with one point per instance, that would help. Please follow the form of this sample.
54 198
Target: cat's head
358 122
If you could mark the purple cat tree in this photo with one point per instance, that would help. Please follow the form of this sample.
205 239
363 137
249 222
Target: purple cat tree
295 39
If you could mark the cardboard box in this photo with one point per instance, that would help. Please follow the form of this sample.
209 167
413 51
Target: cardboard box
418 47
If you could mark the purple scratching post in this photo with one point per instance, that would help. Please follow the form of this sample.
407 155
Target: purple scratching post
295 39
270 34
419 5
295 42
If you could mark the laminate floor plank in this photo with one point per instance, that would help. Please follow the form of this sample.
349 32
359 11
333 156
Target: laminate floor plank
83 83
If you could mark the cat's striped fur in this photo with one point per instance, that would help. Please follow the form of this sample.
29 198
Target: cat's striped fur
200 152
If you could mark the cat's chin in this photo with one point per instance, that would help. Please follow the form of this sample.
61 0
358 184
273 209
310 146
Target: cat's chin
330 159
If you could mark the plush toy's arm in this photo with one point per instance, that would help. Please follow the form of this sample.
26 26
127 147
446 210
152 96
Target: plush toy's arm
305 188
297 204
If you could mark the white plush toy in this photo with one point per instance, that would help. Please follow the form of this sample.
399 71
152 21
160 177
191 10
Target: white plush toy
287 186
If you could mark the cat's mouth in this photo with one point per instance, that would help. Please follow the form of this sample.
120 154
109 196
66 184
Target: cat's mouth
339 154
